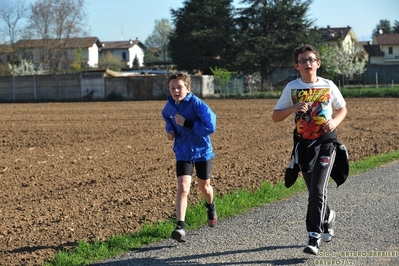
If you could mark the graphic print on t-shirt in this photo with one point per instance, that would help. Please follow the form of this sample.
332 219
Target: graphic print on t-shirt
309 125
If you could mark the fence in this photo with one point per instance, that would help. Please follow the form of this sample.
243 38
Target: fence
92 86
382 74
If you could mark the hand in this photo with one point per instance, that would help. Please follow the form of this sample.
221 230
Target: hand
329 125
179 119
300 107
170 135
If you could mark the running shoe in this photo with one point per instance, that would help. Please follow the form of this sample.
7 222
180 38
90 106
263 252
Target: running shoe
313 245
328 232
178 234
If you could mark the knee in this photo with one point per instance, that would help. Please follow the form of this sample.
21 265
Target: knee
316 197
183 190
207 189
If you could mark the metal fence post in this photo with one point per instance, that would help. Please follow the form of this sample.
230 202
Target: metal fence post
13 88
34 88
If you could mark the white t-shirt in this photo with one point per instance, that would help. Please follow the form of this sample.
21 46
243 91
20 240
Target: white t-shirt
322 98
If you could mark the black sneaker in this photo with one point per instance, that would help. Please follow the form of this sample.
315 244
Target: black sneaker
178 234
212 216
328 232
313 245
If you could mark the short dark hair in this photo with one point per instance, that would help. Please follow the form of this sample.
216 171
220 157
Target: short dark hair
305 48
183 76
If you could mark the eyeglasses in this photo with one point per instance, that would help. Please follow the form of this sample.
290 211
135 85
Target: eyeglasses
305 60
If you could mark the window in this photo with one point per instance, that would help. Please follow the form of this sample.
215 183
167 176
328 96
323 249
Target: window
27 55
390 50
124 55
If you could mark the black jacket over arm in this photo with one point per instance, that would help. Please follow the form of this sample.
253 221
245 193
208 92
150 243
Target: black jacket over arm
305 153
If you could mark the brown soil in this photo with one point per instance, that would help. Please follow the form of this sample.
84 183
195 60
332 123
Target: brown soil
86 171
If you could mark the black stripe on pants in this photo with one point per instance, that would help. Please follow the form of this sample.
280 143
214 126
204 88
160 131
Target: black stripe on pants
317 182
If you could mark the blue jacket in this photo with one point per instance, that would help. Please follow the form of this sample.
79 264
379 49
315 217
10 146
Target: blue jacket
192 142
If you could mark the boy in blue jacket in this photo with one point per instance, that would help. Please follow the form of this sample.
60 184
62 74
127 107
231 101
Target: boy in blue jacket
189 122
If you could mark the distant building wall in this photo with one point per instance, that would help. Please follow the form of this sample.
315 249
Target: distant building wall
93 56
136 51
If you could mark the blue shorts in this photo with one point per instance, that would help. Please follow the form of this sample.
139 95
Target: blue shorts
203 169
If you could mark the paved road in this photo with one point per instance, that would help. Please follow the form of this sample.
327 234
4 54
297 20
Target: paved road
366 228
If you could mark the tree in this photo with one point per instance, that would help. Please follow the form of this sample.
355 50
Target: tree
25 68
136 62
222 78
12 14
76 64
110 61
159 38
342 61
203 35
396 26
268 32
384 26
149 56
56 22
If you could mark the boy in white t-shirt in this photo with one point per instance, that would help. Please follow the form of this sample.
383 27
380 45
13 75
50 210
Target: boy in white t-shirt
311 100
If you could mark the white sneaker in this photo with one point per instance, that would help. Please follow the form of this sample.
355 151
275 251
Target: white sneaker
313 245
328 227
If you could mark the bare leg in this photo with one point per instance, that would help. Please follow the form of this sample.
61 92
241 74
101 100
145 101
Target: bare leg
206 189
183 189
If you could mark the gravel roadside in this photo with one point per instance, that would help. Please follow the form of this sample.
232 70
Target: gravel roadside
366 231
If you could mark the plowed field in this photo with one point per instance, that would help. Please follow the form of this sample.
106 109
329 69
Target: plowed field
86 171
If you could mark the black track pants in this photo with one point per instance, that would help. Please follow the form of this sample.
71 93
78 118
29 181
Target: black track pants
317 182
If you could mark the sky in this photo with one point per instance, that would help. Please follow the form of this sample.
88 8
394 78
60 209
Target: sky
130 19
114 20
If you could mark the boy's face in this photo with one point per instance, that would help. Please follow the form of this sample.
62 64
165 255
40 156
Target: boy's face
178 89
307 63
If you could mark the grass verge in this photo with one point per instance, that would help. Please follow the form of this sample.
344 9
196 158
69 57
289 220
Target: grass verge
227 206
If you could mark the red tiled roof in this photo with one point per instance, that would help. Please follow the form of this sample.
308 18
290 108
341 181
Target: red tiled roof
69 43
373 50
387 39
120 44
330 34
5 49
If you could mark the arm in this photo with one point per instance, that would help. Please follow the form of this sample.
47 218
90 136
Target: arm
332 124
170 135
206 123
169 126
281 114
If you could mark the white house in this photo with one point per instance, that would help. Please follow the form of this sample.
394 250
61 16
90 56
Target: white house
34 50
125 50
344 37
384 50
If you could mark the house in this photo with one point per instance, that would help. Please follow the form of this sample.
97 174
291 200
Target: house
5 52
161 59
125 50
384 49
374 53
343 37
85 50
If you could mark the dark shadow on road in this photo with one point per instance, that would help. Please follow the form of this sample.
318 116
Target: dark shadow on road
185 260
